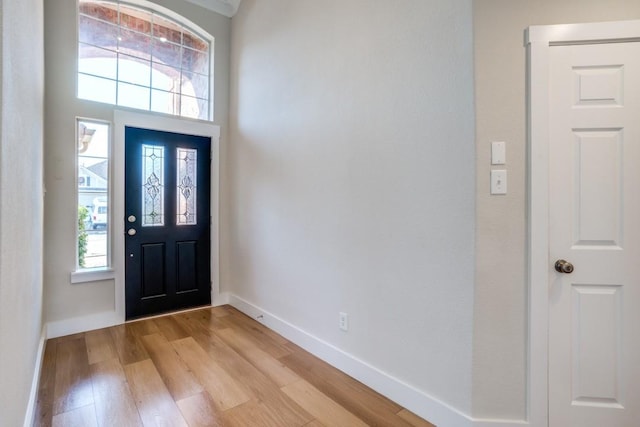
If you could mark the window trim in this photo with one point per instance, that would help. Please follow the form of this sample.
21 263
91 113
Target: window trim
83 274
92 275
175 17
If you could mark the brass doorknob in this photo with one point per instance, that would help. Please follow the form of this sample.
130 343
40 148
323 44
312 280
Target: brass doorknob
563 266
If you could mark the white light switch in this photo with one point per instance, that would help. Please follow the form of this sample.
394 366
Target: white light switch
499 181
498 153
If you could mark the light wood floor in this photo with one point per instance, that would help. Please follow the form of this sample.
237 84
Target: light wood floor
208 367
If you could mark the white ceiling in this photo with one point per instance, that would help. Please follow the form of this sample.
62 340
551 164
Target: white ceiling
223 7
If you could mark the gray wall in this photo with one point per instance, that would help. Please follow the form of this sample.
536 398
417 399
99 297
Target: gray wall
21 121
348 186
62 299
351 179
500 309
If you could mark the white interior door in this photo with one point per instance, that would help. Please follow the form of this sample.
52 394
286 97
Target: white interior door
594 208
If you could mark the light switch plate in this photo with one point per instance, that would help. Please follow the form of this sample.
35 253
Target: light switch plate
499 181
498 153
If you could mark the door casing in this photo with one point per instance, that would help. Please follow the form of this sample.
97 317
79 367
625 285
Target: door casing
167 124
539 40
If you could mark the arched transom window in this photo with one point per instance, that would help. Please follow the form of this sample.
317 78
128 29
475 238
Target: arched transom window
140 58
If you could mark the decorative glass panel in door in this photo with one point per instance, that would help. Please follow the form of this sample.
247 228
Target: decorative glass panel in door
187 181
153 185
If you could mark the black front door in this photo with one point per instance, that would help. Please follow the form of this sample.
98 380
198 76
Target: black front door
167 221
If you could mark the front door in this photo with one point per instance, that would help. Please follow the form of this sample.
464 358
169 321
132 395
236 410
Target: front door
167 221
594 311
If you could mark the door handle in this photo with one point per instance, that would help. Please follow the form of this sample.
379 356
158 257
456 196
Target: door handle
131 232
563 266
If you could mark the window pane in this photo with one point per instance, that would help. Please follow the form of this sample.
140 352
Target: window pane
194 84
186 179
97 32
134 70
141 50
135 19
166 53
96 61
152 185
93 194
105 11
165 102
194 107
194 60
166 30
134 43
194 41
133 96
204 109
165 78
96 89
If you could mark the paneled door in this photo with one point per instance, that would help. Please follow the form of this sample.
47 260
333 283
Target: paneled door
167 221
594 235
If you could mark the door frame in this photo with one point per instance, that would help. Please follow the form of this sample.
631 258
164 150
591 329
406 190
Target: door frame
539 40
121 119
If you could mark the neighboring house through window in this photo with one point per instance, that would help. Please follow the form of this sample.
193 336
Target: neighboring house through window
93 193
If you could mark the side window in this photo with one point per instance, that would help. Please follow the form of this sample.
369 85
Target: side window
93 153
140 58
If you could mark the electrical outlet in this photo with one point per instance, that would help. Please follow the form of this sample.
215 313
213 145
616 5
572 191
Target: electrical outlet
343 323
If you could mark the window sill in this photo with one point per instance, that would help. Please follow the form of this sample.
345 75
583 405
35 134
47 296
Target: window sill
84 276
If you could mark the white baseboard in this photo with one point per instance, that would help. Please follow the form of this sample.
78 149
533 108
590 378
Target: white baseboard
35 381
221 298
428 407
60 328
482 422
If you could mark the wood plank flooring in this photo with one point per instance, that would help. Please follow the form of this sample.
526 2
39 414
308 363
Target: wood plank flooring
207 367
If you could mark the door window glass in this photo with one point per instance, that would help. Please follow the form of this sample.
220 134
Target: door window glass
186 180
152 185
